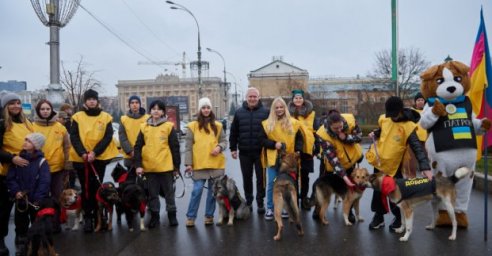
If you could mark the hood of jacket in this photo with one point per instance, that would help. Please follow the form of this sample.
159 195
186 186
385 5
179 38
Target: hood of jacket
304 110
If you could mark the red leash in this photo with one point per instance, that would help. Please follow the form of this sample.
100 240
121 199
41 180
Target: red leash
86 170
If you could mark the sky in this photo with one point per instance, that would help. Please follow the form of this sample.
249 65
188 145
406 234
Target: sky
335 38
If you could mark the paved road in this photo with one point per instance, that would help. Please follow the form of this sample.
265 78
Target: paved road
255 236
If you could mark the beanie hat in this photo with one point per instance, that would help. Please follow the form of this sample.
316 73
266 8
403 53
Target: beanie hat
6 98
37 139
91 94
297 92
134 97
418 96
393 106
204 102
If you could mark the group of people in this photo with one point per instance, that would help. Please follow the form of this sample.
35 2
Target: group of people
37 156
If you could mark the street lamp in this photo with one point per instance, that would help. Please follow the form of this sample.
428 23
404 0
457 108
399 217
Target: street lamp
235 89
225 78
176 6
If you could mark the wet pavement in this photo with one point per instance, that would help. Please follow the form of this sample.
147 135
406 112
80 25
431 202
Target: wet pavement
255 235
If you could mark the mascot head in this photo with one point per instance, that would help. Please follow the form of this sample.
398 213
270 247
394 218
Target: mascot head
448 80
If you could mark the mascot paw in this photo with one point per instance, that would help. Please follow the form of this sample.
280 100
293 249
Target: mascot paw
438 109
486 123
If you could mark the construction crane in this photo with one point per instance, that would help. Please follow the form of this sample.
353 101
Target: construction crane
183 63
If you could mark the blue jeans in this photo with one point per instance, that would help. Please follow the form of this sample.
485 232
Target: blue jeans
196 196
271 175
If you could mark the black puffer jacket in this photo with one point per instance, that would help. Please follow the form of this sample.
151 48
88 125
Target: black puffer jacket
246 128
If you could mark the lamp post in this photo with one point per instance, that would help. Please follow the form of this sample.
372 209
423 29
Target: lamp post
176 6
235 89
55 14
225 78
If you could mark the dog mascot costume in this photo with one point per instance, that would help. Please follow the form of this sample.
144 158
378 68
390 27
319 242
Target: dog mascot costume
452 126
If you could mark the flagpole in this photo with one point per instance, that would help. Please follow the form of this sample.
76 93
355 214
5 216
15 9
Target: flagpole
486 172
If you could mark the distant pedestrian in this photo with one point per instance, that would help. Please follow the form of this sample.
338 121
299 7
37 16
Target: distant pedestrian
244 136
204 159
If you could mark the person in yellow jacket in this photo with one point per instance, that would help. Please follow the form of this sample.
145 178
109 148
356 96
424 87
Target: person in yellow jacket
129 129
280 132
396 131
55 149
204 159
91 136
302 110
14 127
157 154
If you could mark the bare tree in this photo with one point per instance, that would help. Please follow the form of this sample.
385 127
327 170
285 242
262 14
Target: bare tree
77 81
411 62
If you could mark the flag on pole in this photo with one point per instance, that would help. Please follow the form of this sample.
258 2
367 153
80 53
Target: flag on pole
480 76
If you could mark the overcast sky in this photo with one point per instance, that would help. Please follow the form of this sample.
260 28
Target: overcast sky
325 37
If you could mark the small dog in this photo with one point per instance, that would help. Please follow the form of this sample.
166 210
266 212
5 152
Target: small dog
107 197
133 201
444 193
325 186
40 234
71 208
231 203
285 193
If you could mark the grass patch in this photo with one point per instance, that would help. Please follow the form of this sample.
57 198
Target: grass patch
480 165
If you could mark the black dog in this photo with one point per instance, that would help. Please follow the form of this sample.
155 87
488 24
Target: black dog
40 234
106 196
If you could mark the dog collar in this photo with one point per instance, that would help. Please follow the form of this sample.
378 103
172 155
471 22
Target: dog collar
45 211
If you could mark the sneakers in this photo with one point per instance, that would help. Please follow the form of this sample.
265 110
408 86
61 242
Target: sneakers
377 222
209 220
395 225
269 214
285 214
190 223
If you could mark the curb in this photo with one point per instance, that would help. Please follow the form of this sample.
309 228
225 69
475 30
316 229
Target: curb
478 182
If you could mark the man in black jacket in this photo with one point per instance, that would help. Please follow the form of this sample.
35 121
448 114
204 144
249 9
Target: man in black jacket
244 135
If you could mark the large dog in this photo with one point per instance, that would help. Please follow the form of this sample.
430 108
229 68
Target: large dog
285 193
327 185
106 196
231 204
442 190
40 234
71 207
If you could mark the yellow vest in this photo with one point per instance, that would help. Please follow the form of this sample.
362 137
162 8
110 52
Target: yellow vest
204 144
391 145
91 132
347 154
307 132
280 135
53 147
13 140
421 132
156 154
132 128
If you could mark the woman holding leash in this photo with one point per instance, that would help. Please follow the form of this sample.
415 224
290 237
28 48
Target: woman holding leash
280 132
157 154
204 135
92 148
302 110
14 127
56 148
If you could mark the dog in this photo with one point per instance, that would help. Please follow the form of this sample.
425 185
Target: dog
325 186
285 193
40 234
133 201
71 208
231 204
106 197
444 193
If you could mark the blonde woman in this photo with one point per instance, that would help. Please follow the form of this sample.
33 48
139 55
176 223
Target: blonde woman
280 131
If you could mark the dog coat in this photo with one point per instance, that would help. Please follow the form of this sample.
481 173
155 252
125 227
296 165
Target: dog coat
408 188
76 205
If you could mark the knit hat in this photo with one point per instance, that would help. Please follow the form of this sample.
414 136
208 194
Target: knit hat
297 92
134 97
91 94
418 96
6 98
393 106
204 102
37 139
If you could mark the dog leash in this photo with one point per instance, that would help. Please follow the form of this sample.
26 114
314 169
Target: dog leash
27 203
88 164
179 176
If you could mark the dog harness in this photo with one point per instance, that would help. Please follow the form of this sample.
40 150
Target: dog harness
235 201
108 207
408 188
45 211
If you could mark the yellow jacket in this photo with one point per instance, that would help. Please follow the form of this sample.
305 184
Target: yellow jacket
155 153
279 135
307 132
203 144
54 146
132 128
13 140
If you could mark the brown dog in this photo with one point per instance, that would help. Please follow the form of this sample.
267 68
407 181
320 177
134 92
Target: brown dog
285 193
71 207
324 187
106 196
444 193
